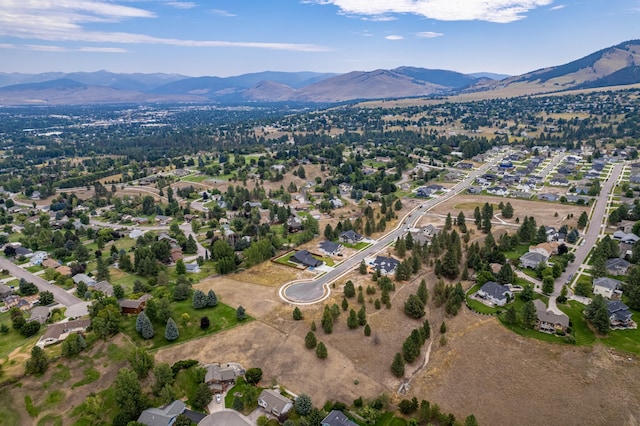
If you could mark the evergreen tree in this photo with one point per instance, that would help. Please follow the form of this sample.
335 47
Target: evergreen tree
171 331
212 299
38 363
397 367
423 293
529 315
321 351
199 300
181 268
367 330
349 289
582 220
352 321
297 315
146 328
426 329
345 304
362 268
547 285
597 314
362 315
448 222
240 314
413 307
310 340
327 320
462 225
103 270
505 275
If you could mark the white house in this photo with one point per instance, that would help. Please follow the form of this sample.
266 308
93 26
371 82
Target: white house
274 403
607 287
495 293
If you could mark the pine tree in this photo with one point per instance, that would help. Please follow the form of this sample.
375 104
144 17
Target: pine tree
423 293
367 330
345 304
427 329
310 340
547 285
362 268
510 315
199 300
171 332
321 351
352 321
349 289
181 268
146 328
240 314
327 320
397 367
462 225
140 319
448 222
297 315
212 299
529 315
362 315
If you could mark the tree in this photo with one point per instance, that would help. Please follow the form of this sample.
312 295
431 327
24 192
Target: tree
507 210
349 289
297 315
141 362
527 293
632 289
253 375
237 405
73 345
181 291
163 376
128 393
204 323
199 300
46 298
397 366
413 307
362 268
240 314
505 274
171 332
30 328
327 320
321 351
202 397
510 315
448 222
26 288
212 299
547 285
367 330
144 326
301 173
118 291
529 315
181 268
423 293
107 321
310 340
303 404
38 363
582 220
352 321
103 270
597 314
470 421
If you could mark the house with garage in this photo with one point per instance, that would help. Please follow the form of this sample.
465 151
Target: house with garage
423 191
619 315
548 321
274 403
5 291
84 278
330 248
545 249
608 288
303 257
337 418
386 265
617 266
498 190
132 307
104 287
164 416
219 377
496 294
50 263
532 259
192 268
59 331
624 237
40 314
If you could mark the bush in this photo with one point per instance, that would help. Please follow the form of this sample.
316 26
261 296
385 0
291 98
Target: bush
204 323
297 315
31 328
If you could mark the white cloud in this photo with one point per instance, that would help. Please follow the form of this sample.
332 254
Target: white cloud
7 46
63 21
182 4
221 12
381 18
103 49
500 11
428 34
558 7
45 48
394 37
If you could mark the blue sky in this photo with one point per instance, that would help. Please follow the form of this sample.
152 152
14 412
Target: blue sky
231 37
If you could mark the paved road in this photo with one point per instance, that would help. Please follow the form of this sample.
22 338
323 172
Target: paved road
60 295
594 228
314 291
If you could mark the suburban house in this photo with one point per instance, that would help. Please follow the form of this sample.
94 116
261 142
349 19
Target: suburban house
59 331
64 270
350 237
5 291
50 263
128 306
495 293
545 249
135 234
104 287
607 287
625 225
294 224
548 197
40 314
498 190
303 257
166 416
549 321
617 266
330 248
274 403
430 231
423 191
219 377
628 238
619 315
532 259
552 233
192 268
386 265
84 278
337 418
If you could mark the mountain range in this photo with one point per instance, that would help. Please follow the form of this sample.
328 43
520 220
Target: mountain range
616 65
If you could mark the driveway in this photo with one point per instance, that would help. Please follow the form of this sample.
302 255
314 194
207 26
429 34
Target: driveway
225 418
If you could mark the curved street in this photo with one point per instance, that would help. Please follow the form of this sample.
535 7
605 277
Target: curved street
313 291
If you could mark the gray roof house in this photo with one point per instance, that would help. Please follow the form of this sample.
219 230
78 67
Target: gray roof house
104 287
629 238
59 331
165 416
77 278
495 293
619 314
330 248
548 321
350 237
386 265
532 259
5 291
40 314
218 376
305 258
607 287
617 266
274 403
337 418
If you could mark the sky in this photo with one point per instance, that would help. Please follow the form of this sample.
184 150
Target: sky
232 37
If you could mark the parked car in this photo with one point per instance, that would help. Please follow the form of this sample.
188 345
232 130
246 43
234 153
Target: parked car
218 398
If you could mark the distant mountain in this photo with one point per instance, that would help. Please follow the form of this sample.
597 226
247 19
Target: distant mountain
617 65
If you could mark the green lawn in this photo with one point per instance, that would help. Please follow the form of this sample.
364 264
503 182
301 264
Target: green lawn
477 305
196 178
387 419
13 339
221 317
517 252
8 413
358 246
582 332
